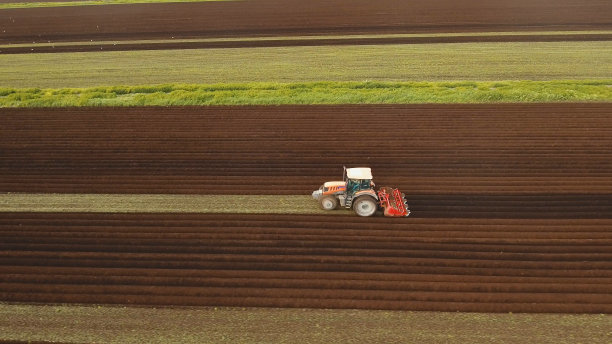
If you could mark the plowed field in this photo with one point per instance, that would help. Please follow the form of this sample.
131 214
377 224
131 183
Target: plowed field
511 207
294 17
308 261
512 149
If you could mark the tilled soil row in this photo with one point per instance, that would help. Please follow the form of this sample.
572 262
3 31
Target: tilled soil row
215 260
293 149
294 17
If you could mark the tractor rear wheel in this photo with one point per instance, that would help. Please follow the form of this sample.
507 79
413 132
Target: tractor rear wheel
365 206
329 203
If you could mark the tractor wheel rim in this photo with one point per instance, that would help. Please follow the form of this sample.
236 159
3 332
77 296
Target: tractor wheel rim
327 204
365 208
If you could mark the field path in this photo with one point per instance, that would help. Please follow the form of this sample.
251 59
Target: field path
305 41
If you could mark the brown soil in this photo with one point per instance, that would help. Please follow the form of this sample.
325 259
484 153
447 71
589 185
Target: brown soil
452 160
296 17
511 207
308 261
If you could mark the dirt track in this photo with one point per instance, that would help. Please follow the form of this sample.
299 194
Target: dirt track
295 17
114 46
511 207
308 261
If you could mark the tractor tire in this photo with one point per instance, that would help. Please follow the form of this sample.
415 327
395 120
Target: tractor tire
329 203
365 206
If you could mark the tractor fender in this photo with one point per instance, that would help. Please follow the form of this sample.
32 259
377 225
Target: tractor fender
370 192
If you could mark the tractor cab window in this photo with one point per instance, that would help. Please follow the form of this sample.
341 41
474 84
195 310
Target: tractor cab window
354 185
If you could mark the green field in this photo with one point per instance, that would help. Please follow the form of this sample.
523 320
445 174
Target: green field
374 74
122 203
11 5
398 63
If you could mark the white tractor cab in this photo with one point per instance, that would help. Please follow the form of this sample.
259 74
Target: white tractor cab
356 191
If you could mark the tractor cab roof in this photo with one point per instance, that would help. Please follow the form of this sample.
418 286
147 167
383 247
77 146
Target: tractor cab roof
359 173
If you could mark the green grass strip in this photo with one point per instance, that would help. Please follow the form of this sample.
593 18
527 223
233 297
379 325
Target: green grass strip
122 203
312 93
11 5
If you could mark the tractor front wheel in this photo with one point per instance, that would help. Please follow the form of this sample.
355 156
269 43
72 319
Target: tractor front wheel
365 206
329 203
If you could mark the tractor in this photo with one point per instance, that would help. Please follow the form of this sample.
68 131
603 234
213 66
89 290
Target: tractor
356 191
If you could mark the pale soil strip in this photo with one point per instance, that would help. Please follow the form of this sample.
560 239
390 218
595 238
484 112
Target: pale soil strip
308 38
129 203
113 324
72 3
